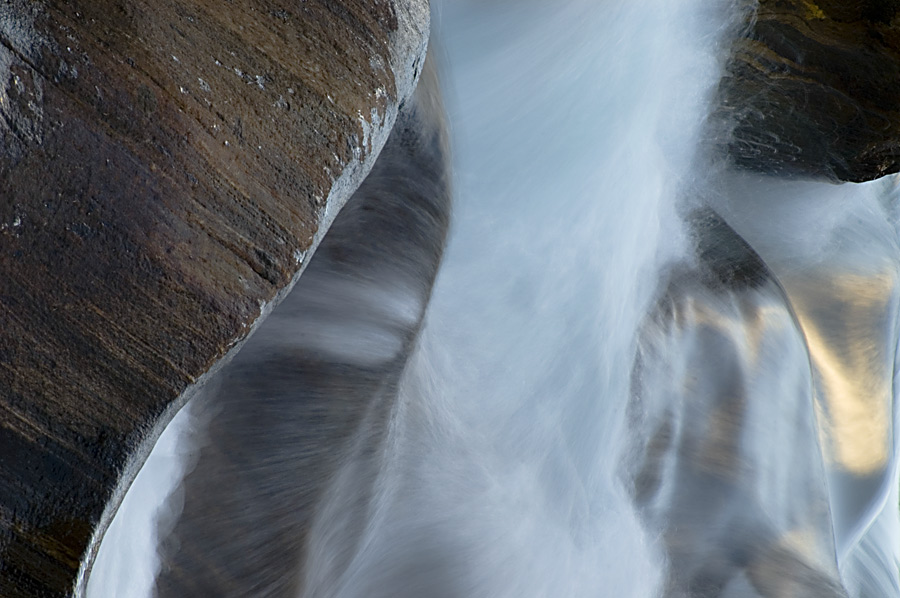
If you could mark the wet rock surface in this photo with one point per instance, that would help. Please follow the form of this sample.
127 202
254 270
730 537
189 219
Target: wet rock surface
166 169
290 440
813 89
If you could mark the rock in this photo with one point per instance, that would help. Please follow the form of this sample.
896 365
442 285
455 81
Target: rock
721 384
813 89
165 172
289 443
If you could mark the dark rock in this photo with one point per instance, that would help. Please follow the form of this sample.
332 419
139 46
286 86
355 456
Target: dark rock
813 89
165 168
290 436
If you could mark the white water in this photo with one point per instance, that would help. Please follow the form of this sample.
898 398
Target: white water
575 129
126 563
575 126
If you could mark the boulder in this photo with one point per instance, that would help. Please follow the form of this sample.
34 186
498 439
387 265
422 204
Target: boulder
166 170
812 89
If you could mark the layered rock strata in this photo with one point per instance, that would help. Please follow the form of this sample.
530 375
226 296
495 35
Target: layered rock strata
166 169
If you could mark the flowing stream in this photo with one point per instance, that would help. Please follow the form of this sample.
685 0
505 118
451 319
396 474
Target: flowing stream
578 156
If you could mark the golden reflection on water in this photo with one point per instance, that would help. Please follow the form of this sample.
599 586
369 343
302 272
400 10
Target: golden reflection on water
809 542
747 322
842 318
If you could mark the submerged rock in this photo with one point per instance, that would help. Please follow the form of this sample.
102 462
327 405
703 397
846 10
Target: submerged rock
813 89
291 432
721 386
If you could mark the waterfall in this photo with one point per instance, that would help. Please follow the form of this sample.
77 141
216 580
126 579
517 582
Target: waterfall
835 250
576 126
578 142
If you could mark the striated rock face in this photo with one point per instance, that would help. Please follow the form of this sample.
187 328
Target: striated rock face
813 89
166 166
290 440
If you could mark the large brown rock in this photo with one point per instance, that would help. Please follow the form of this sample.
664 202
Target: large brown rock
166 168
813 89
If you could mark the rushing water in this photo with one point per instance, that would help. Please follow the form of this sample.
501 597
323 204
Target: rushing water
577 132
